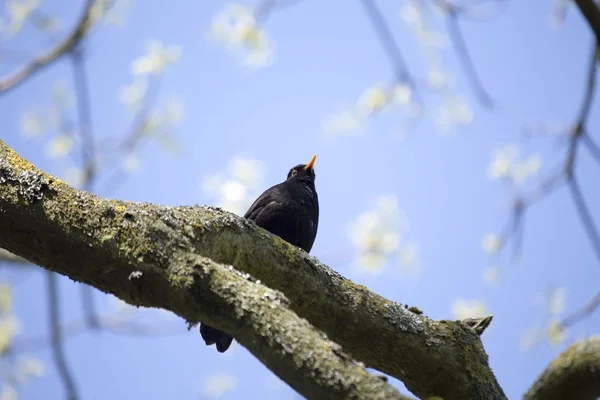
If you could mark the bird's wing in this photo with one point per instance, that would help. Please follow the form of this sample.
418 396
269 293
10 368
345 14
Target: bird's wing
260 203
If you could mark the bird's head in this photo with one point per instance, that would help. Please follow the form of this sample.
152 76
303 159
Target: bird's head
304 172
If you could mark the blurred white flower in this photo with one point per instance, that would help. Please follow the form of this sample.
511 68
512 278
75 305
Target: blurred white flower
437 78
402 95
157 58
74 177
247 170
463 308
505 163
5 298
373 100
18 11
501 163
408 257
557 301
345 122
29 368
525 169
259 57
31 124
9 328
173 111
491 243
530 337
491 275
216 386
133 95
555 333
59 146
431 38
9 393
453 111
131 163
237 28
410 13
377 234
235 189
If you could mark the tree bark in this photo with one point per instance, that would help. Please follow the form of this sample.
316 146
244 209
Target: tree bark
169 257
574 374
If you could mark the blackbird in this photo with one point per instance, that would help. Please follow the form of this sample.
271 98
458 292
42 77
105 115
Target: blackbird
289 210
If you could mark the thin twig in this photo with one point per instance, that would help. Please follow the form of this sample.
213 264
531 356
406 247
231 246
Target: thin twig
88 158
585 215
592 147
12 80
464 57
133 139
116 326
84 115
387 40
265 8
565 173
58 352
585 311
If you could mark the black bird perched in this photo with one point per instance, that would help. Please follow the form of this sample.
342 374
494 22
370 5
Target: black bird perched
289 210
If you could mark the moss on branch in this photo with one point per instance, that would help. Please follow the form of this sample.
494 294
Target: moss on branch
574 374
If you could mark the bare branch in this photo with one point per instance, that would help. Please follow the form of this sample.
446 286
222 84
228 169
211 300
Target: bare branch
565 173
84 111
592 147
464 57
587 310
574 374
591 13
585 216
116 326
386 38
58 351
85 23
265 8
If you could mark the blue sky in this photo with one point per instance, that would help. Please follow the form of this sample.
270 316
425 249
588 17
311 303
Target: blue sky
326 56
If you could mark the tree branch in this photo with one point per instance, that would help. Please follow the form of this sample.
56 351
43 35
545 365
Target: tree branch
58 351
591 13
53 225
574 374
464 57
46 58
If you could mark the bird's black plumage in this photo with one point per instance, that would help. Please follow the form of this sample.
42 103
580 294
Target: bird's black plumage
289 210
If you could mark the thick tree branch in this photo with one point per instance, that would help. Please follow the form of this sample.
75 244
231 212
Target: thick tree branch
46 58
591 13
55 226
165 274
574 374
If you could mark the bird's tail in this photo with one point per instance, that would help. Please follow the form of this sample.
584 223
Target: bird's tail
213 336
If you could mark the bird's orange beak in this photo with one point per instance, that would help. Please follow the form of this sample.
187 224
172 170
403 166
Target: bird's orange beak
311 162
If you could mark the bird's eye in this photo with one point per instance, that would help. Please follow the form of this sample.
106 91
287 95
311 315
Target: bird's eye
294 172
